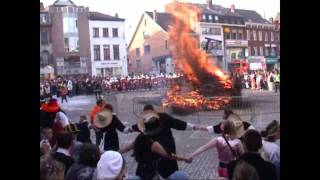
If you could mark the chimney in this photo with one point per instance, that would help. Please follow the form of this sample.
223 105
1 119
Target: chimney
116 15
232 8
271 20
209 4
155 15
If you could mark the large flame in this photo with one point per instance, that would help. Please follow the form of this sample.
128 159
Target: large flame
195 64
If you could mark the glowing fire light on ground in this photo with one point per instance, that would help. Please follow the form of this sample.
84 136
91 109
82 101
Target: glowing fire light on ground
204 77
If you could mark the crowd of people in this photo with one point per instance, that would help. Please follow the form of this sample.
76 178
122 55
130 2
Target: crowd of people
67 87
262 80
66 151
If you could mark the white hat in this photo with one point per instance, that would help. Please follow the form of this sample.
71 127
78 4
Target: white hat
109 165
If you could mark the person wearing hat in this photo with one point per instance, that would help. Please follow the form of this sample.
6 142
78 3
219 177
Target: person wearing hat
166 166
270 149
108 123
48 112
241 126
98 108
76 145
60 122
147 150
228 146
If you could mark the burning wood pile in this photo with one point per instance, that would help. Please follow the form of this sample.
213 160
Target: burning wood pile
206 87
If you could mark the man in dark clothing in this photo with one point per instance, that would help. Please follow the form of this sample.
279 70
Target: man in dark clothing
64 142
84 134
253 142
167 166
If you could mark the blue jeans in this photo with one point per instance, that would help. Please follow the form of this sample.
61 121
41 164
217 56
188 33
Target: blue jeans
178 175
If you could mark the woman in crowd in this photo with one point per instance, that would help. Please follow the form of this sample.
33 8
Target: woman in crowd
51 169
228 146
85 167
270 149
147 151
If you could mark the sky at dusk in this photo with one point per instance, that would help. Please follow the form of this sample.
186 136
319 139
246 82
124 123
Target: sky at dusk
131 10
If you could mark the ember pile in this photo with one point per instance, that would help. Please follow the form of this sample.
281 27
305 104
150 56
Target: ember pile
206 87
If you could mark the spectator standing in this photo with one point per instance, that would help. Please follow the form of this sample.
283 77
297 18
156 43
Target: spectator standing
70 88
63 93
84 169
51 169
64 142
98 108
277 81
252 144
271 81
270 149
228 146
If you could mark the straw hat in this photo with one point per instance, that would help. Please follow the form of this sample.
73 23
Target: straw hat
103 118
238 123
145 117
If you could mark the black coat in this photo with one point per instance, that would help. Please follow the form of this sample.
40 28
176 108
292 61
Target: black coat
167 166
84 134
47 119
66 160
265 170
111 140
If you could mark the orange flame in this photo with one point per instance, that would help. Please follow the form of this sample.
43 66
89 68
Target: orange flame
193 62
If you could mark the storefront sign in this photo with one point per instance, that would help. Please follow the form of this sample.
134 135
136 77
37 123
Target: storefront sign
271 60
106 64
236 43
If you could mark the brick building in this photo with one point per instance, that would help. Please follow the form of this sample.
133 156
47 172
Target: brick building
46 63
70 38
148 50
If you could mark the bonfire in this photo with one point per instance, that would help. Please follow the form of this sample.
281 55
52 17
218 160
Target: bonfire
206 86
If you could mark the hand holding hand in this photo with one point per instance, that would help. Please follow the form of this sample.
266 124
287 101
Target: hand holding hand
188 160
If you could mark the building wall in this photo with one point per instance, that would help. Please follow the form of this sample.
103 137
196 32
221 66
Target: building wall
156 38
120 40
84 37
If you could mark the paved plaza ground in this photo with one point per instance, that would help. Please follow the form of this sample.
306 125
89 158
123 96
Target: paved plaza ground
203 166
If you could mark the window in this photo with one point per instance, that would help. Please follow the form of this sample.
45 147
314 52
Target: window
147 49
76 23
261 51
105 32
255 49
44 38
234 34
96 52
272 37
216 31
166 44
204 17
216 18
266 36
248 34
240 34
95 32
116 55
137 51
114 32
106 52
210 17
266 50
233 55
254 35
249 51
66 45
260 35
45 58
138 63
228 35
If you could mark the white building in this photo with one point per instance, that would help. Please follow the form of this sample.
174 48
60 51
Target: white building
107 45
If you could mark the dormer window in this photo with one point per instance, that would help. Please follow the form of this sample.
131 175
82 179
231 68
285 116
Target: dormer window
204 17
210 17
216 18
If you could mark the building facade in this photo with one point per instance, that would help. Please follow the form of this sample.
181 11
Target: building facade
149 50
107 45
46 63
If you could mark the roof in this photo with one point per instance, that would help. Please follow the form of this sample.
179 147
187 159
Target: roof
163 19
251 16
63 3
96 16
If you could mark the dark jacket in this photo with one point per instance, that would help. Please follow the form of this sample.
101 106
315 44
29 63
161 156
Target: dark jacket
266 170
84 134
80 171
111 140
167 166
66 160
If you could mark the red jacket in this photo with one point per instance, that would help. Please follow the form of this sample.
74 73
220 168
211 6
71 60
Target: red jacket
93 113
